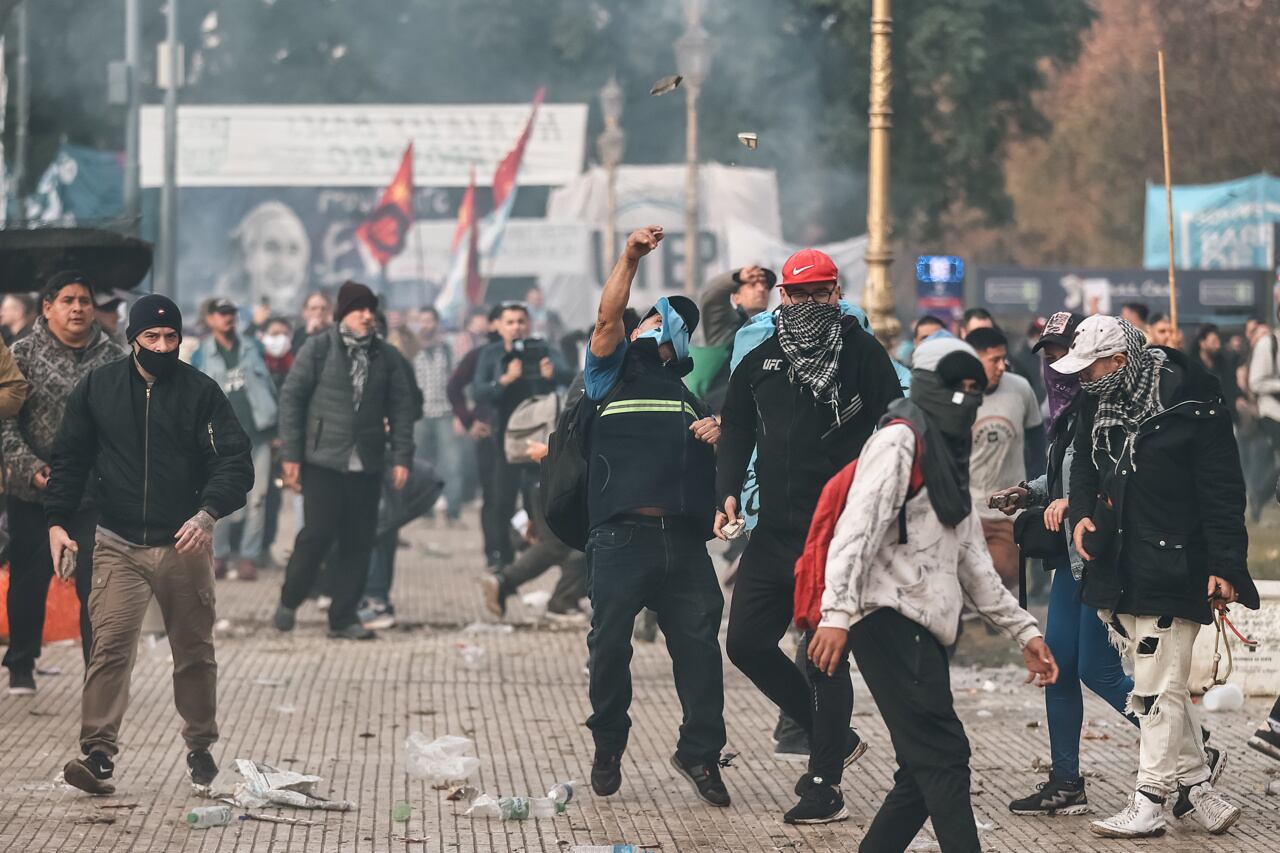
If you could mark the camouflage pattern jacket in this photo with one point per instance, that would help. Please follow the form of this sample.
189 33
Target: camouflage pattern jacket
52 369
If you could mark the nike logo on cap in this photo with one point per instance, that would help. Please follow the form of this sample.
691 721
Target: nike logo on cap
798 270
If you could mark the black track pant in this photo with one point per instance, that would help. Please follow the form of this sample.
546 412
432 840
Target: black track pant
761 611
339 507
30 570
906 670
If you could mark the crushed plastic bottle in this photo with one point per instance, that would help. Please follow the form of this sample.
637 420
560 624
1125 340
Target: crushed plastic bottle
206 817
514 808
400 812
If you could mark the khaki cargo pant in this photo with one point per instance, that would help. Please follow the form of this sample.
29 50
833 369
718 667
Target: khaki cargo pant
125 577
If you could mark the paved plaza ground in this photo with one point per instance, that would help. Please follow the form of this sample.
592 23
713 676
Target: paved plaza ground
342 711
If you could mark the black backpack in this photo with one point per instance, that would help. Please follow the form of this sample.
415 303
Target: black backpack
562 487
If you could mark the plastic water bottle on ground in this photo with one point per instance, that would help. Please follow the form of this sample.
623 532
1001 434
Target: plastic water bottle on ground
514 808
206 817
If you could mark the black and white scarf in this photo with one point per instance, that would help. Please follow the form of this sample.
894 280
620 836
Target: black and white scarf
358 351
1128 396
809 334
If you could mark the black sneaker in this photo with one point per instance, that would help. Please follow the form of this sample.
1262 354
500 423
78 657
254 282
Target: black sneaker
706 780
91 774
495 600
793 746
201 768
820 803
22 682
284 618
354 631
1055 797
857 747
1266 741
1217 761
606 774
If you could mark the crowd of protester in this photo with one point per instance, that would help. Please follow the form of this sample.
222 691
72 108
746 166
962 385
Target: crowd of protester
973 449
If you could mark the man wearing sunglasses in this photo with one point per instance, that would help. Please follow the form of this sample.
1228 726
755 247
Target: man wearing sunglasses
808 397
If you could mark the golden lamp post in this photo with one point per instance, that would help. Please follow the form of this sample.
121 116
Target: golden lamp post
693 61
877 295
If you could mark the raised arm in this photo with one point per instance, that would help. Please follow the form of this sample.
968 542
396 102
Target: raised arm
608 333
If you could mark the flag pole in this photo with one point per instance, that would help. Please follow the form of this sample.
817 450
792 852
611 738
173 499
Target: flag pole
1168 194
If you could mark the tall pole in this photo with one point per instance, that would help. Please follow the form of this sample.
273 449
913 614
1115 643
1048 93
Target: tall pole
877 296
691 192
1168 195
167 281
132 47
22 109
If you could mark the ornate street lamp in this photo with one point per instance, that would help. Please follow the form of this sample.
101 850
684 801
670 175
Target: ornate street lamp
693 61
877 295
610 145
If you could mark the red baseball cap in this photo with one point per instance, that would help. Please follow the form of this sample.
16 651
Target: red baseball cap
809 266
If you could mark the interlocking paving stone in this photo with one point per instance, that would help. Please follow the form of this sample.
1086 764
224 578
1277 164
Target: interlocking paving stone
524 708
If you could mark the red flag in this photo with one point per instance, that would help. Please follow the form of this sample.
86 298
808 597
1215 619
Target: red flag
475 285
504 177
387 228
466 213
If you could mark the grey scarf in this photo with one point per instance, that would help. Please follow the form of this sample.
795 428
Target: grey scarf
809 334
358 352
1128 396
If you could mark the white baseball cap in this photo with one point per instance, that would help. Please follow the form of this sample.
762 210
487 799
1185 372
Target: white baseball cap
1096 337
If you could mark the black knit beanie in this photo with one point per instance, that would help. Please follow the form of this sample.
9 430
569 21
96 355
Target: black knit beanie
151 312
353 296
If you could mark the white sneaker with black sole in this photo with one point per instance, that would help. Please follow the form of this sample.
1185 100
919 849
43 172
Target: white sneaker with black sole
1210 809
1142 818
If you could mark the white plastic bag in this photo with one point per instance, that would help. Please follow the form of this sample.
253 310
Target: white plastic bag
445 759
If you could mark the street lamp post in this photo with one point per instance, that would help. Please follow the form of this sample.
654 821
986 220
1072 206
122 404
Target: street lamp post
610 145
693 61
877 297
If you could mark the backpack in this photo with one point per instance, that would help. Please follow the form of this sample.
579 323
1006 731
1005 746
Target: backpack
532 419
811 567
563 486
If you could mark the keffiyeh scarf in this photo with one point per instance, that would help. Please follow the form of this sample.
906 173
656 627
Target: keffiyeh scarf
809 334
1128 396
358 351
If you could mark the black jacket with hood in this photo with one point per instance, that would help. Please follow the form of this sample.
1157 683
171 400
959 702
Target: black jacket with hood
1170 510
802 443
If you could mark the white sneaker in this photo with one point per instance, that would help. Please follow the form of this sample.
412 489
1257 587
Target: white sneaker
1211 810
1140 819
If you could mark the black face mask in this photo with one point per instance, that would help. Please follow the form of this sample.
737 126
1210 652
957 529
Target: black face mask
158 364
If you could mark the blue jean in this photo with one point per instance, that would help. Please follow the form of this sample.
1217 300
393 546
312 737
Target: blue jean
253 514
1078 640
435 442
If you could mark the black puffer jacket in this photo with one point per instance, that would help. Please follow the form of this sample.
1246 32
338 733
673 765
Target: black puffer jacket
1171 512
157 455
319 423
801 444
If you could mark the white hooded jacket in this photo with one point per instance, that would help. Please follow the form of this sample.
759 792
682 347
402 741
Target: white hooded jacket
928 578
